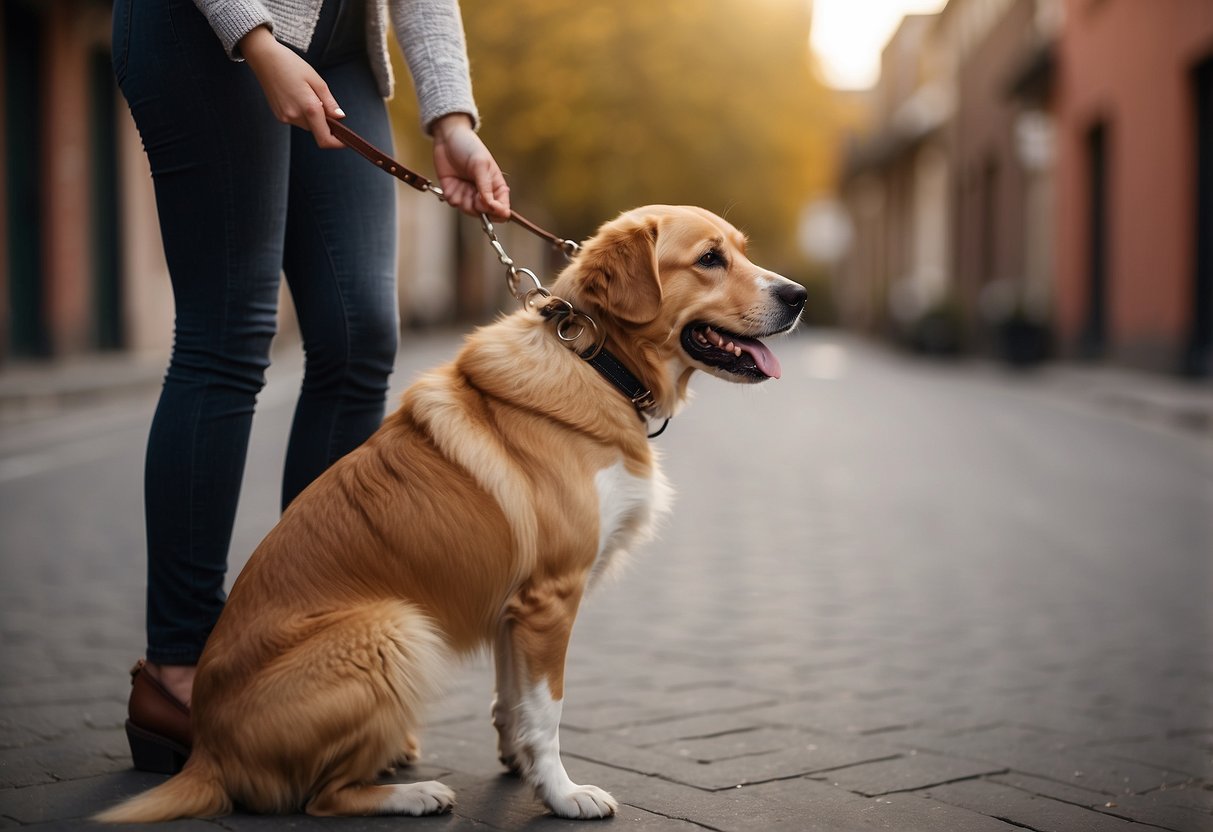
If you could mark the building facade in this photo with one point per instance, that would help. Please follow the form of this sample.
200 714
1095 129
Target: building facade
895 187
1078 139
67 152
1002 166
951 193
1135 188
81 264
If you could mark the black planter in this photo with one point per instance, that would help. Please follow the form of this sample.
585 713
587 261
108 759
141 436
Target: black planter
1023 343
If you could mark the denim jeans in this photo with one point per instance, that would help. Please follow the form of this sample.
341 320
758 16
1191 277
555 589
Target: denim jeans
243 198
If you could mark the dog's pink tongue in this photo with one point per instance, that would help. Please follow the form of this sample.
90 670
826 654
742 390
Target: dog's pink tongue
763 357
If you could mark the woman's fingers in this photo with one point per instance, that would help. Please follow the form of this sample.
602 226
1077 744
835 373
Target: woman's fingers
294 90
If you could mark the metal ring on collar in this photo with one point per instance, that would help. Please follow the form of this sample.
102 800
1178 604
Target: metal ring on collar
529 299
512 279
577 319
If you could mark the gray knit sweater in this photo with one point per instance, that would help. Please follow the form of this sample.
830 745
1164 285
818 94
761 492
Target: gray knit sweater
430 33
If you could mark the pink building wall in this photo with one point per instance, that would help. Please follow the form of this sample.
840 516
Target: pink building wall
1127 64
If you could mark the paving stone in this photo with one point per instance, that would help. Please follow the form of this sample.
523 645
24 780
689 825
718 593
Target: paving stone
77 798
57 691
1091 770
691 727
734 744
905 773
1065 792
190 825
1179 816
462 747
505 802
1172 755
31 724
1200 737
1050 755
1040 813
660 705
79 754
796 805
1009 624
985 742
243 822
849 715
801 758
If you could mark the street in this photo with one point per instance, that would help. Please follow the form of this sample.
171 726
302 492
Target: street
891 595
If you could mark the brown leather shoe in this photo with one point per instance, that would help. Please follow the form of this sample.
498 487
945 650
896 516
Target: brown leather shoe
158 727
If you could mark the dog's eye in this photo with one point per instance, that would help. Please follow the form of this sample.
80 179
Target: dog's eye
713 259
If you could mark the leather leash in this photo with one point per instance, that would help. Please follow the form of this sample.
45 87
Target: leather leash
415 180
610 367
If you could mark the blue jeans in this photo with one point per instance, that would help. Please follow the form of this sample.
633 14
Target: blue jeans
242 199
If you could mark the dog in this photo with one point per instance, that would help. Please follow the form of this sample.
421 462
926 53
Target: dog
479 514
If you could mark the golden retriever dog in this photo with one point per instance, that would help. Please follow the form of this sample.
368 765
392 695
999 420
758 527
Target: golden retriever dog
478 515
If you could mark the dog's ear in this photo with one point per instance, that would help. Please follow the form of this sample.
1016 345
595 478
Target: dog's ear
619 271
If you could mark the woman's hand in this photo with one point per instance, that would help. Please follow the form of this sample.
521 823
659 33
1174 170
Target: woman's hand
468 173
295 91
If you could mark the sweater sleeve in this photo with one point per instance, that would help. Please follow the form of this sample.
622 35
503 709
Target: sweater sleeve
431 36
233 19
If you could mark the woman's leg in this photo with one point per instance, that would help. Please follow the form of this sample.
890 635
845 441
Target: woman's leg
219 162
340 263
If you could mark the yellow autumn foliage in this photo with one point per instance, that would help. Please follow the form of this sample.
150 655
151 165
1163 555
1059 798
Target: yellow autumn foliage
595 106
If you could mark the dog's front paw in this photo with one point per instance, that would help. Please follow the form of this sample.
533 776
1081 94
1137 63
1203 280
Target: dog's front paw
582 802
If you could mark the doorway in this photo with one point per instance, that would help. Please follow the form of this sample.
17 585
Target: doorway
1198 357
1094 340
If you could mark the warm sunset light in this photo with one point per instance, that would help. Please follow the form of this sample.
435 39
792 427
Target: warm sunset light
848 36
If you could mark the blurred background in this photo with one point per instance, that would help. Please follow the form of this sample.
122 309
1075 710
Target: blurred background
904 569
1025 179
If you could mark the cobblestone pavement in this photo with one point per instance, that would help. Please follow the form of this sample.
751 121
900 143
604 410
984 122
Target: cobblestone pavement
892 595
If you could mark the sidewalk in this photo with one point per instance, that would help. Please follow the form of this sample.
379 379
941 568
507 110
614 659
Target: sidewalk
1163 400
29 389
892 595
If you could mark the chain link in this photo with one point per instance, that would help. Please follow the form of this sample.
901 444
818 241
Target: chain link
513 273
570 324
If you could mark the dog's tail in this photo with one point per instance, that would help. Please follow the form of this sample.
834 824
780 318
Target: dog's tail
196 792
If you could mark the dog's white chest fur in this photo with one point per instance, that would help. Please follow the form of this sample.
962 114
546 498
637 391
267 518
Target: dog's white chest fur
628 508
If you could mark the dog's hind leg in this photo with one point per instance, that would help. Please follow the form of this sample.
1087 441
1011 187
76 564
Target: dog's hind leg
427 798
327 715
411 752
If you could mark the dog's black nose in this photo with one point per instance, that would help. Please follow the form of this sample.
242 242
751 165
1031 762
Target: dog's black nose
793 294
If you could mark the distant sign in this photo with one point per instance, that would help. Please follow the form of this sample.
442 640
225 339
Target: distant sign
825 231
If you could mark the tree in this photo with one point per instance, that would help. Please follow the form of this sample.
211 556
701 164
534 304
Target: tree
593 107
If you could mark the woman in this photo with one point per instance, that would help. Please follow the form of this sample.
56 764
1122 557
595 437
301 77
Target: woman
217 88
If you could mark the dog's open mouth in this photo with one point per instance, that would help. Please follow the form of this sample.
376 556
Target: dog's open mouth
735 354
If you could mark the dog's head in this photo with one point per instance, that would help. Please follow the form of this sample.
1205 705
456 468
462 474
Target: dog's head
674 291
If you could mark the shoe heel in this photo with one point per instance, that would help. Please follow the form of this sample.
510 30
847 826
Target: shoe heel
153 753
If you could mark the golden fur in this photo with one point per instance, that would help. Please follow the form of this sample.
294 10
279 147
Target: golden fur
471 518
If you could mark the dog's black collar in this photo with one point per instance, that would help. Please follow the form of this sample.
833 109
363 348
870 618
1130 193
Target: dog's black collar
614 371
609 367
